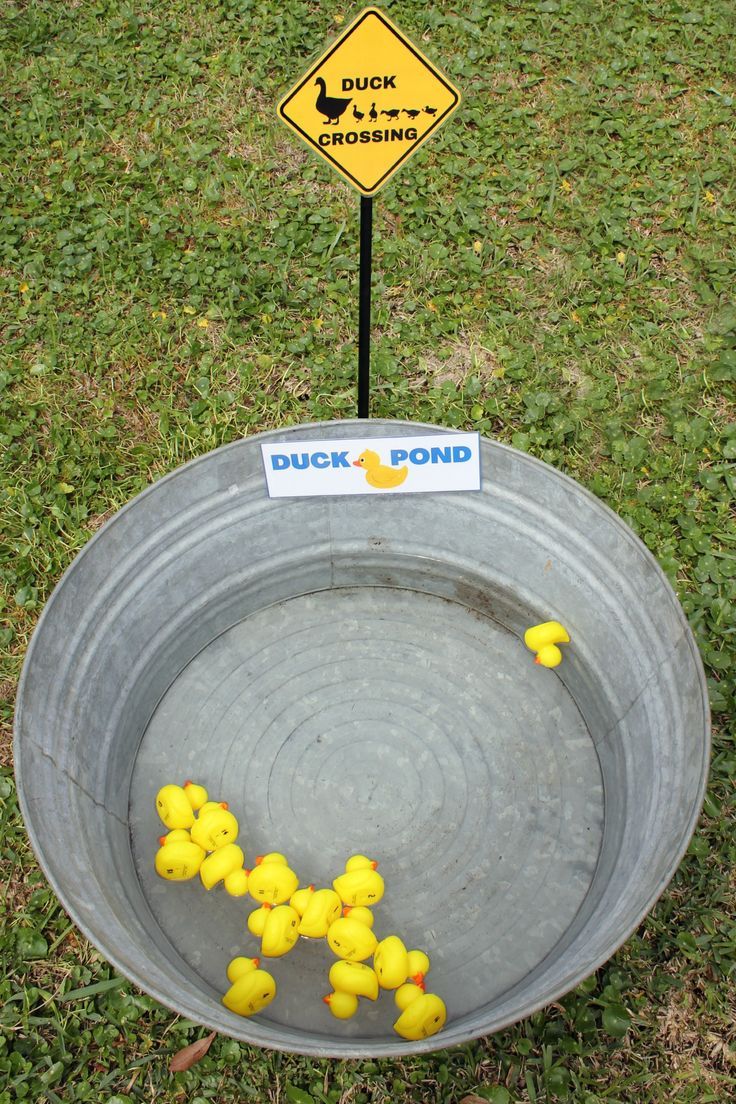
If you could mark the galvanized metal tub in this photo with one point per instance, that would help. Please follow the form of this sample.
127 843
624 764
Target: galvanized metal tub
349 674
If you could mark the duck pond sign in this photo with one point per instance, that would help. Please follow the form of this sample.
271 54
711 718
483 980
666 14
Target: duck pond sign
385 465
369 102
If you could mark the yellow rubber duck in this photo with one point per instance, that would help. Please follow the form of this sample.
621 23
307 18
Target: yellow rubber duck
359 912
196 795
341 1005
252 988
543 639
406 993
209 806
391 962
423 1014
178 859
272 881
361 884
280 934
418 967
350 938
257 920
214 829
172 805
300 899
322 910
354 977
220 864
236 883
378 474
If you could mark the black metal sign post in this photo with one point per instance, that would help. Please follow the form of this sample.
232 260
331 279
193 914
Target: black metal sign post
364 306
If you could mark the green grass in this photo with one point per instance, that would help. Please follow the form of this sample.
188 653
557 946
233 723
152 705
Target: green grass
556 269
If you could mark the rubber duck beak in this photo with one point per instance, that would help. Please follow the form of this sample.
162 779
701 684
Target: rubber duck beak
161 840
418 980
357 464
256 962
537 659
259 860
224 805
346 911
187 783
374 865
326 999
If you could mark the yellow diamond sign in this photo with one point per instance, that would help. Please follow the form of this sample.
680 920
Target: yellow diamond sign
369 102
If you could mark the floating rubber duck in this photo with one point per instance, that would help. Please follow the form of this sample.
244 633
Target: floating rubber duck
406 993
361 884
221 863
236 883
359 912
543 639
172 805
209 806
341 1005
272 880
418 967
350 938
252 988
354 977
323 908
391 962
257 920
178 859
300 899
196 795
214 829
378 474
422 1015
280 932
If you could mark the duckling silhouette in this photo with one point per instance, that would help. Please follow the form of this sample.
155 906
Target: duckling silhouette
358 114
373 114
329 106
411 112
393 113
430 110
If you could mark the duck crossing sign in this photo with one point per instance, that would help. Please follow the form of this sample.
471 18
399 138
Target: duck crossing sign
369 102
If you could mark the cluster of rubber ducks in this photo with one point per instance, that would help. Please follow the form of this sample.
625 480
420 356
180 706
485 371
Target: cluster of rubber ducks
201 840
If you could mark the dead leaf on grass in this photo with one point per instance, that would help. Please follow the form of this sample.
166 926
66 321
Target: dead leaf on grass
186 1058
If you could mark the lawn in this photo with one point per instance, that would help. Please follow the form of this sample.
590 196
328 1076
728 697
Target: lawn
555 269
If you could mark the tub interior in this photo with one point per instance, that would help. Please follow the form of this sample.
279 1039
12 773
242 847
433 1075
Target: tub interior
350 675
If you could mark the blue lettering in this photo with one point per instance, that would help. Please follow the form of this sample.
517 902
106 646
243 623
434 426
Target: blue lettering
279 462
461 453
320 460
398 455
419 456
340 459
442 455
300 461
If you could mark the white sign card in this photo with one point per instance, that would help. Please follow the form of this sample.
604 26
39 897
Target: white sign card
373 465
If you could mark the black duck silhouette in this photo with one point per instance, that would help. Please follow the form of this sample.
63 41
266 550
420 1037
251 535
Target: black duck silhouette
373 114
393 113
430 110
411 112
358 114
329 106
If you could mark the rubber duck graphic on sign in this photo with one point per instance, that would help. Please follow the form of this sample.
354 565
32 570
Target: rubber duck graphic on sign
377 474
